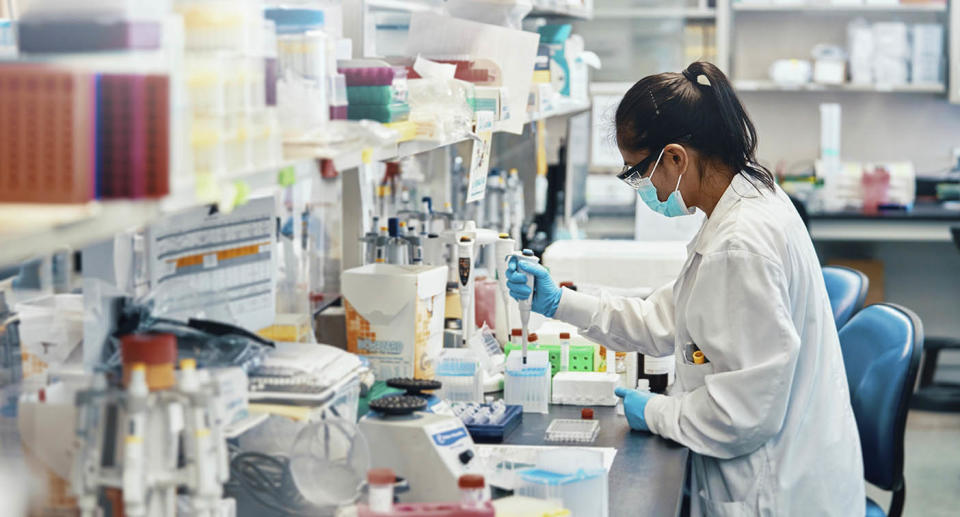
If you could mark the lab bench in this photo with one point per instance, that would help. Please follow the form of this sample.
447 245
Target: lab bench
648 472
927 222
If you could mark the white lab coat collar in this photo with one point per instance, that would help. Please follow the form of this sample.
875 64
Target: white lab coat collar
741 186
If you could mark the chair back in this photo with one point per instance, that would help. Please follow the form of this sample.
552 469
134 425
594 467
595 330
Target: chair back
847 289
881 347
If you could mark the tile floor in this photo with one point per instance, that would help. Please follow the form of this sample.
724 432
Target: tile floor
932 462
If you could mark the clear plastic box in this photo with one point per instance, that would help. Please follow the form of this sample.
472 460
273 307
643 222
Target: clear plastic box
574 478
585 388
572 430
207 145
528 385
461 377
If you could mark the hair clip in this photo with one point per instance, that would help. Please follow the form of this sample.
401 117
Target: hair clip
654 99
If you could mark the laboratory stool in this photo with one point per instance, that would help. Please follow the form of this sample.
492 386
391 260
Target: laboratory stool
881 348
847 289
932 395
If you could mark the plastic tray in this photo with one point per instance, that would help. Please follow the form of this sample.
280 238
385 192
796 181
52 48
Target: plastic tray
571 430
495 433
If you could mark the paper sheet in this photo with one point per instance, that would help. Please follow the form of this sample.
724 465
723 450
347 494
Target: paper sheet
218 266
515 51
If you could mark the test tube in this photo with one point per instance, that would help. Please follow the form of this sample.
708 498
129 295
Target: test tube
380 496
472 495
564 351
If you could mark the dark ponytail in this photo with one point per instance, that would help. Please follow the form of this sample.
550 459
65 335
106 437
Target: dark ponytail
696 107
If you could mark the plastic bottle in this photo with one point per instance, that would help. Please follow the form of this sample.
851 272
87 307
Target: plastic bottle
396 246
564 351
382 241
472 492
656 370
380 496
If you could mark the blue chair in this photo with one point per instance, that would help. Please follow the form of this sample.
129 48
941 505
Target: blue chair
847 289
881 348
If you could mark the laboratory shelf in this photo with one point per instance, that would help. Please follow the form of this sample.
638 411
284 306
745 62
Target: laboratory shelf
349 158
837 8
643 13
556 8
744 85
409 6
28 229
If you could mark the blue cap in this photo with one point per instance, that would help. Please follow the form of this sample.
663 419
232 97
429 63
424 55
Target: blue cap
429 201
294 20
393 226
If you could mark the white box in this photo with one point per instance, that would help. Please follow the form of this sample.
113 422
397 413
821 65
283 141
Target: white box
395 317
585 388
890 39
829 71
890 71
926 70
927 39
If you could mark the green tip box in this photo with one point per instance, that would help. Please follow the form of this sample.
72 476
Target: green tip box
581 356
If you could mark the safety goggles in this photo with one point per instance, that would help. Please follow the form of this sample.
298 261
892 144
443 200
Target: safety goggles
632 176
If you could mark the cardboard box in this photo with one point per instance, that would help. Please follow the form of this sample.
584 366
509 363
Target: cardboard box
394 317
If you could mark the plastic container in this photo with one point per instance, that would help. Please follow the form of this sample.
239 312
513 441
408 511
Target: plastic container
496 428
472 492
380 493
585 388
528 385
157 352
571 477
387 113
377 95
218 24
461 376
571 430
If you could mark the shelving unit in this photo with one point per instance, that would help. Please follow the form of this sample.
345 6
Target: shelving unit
32 229
827 8
557 8
690 13
745 85
350 158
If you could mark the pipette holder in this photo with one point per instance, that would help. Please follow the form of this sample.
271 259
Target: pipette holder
528 385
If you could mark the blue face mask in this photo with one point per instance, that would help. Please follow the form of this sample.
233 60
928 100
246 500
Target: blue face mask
673 206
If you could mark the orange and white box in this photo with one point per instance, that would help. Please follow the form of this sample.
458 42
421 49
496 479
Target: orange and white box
395 317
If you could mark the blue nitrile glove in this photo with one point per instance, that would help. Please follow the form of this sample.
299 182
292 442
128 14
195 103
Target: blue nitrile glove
634 402
546 294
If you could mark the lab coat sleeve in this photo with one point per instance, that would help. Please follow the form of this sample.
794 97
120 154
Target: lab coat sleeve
623 324
739 317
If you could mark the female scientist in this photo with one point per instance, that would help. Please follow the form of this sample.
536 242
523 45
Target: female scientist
760 395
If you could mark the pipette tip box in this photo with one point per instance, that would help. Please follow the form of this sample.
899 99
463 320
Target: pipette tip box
572 430
528 385
585 388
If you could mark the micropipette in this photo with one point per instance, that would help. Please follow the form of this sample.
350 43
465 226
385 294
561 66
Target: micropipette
504 248
527 304
465 269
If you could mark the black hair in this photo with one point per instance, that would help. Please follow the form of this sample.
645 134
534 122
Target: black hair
683 108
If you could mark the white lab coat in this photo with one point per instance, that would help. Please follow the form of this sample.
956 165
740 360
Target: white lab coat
768 418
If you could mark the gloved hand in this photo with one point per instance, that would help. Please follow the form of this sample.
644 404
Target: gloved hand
634 402
546 294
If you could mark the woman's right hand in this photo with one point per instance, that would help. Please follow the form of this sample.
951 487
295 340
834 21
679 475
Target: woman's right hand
546 294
